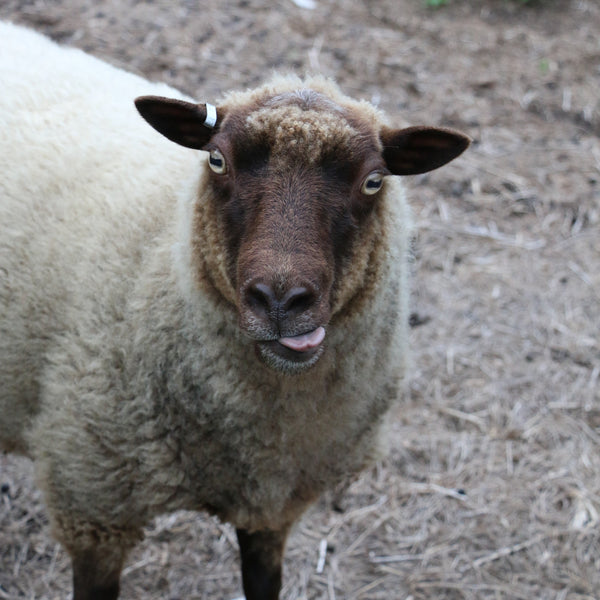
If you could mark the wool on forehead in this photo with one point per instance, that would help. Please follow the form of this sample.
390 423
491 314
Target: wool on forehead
311 115
292 129
306 99
286 85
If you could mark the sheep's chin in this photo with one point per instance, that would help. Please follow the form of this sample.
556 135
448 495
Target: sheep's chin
284 360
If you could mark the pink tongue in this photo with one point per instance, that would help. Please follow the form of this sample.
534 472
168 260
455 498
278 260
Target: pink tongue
304 342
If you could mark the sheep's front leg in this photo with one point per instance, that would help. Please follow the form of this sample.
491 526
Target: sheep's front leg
96 575
262 554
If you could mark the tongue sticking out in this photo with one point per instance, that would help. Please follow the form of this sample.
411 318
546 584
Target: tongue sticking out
304 342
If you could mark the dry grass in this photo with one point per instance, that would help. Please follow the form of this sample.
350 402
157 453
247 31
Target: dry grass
492 486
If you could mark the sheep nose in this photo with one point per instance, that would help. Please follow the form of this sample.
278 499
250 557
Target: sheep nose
264 300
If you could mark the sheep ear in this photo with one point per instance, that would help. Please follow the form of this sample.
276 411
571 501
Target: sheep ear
417 150
185 123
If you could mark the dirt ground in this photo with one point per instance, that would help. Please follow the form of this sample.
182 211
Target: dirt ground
492 486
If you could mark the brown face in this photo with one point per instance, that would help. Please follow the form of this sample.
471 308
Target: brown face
294 177
292 192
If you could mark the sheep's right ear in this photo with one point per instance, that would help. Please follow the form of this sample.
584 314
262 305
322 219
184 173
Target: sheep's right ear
185 123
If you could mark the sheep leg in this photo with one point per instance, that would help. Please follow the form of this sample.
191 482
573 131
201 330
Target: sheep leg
261 554
93 579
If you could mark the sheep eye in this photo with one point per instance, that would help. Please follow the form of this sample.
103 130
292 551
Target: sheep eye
372 184
216 161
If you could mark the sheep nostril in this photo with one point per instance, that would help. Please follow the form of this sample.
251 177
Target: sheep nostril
261 298
297 301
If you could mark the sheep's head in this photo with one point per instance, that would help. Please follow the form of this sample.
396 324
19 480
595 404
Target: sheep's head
295 174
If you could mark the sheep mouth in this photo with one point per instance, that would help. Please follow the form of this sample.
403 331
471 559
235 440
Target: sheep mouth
292 354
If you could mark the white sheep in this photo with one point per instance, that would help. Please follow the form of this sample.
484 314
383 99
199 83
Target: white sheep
220 330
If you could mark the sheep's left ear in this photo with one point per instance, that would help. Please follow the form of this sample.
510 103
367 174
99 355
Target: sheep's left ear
417 150
185 123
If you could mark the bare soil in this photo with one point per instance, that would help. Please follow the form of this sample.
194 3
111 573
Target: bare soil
492 487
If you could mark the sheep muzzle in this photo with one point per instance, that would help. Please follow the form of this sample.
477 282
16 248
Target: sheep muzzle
285 311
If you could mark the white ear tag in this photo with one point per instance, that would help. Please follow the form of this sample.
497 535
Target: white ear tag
211 115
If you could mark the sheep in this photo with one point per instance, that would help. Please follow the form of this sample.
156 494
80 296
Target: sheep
211 319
